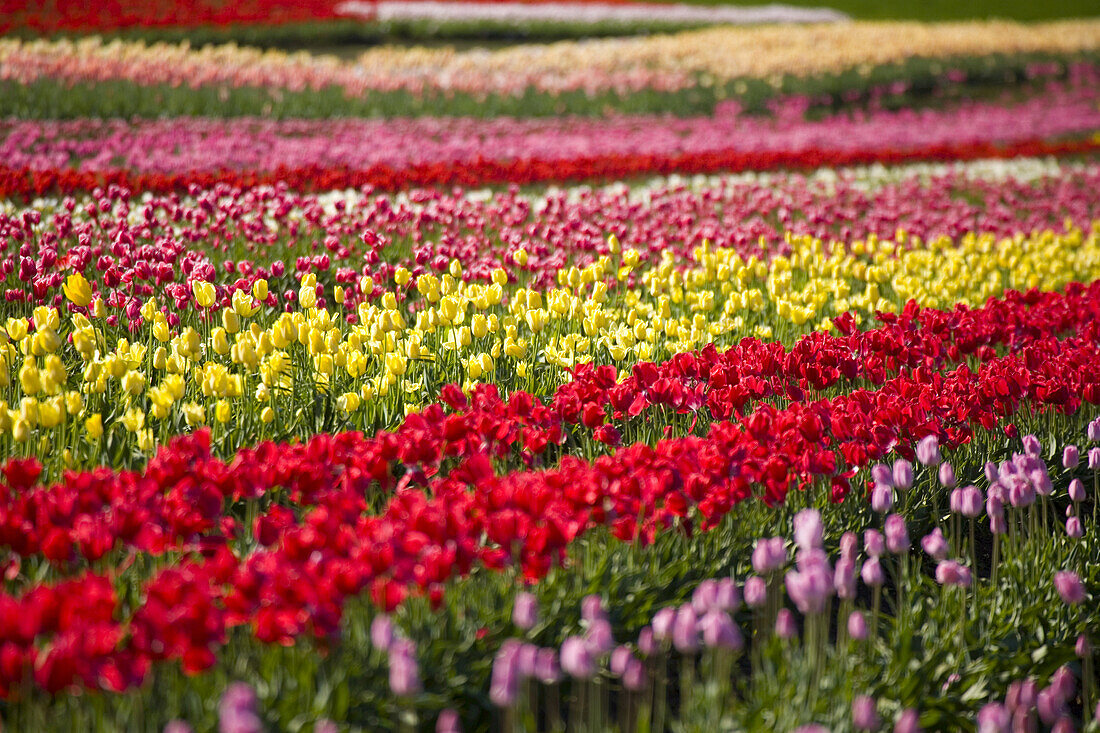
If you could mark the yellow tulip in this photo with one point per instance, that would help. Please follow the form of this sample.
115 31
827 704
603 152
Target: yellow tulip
77 290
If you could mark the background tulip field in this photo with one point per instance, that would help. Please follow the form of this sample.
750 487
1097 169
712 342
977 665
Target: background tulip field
549 366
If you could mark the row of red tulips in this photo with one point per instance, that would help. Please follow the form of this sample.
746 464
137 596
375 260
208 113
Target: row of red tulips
315 558
26 182
166 507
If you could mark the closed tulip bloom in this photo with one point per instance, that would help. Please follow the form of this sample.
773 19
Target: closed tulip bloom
634 676
576 661
1094 430
448 722
873 542
872 573
381 632
1070 456
237 710
719 631
1076 490
647 645
1094 458
619 657
525 611
864 715
946 475
599 637
546 666
808 529
526 660
934 544
785 626
857 625
897 535
950 572
404 671
849 544
662 623
903 474
685 630
970 503
994 718
991 474
954 502
1082 648
592 608
1069 587
1051 705
882 498
844 578
756 591
1040 479
768 555
882 474
726 597
704 596
1064 682
1074 528
928 450
505 678
908 722
1032 446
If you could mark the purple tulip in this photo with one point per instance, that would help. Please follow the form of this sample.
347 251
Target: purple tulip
1093 432
897 535
719 631
1069 587
808 529
726 597
991 472
685 630
1032 446
946 475
785 627
903 474
404 672
1064 682
882 498
928 450
599 637
705 596
634 677
505 678
908 722
849 544
381 632
935 545
1074 528
950 572
994 718
954 502
525 611
872 573
619 658
576 661
1082 648
325 726
647 645
844 579
1094 458
882 475
448 722
662 623
811 584
1076 490
237 710
857 625
756 591
592 608
546 666
874 543
1051 705
970 504
1040 479
769 555
864 715
1071 456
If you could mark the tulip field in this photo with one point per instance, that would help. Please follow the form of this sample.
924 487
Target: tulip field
741 373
